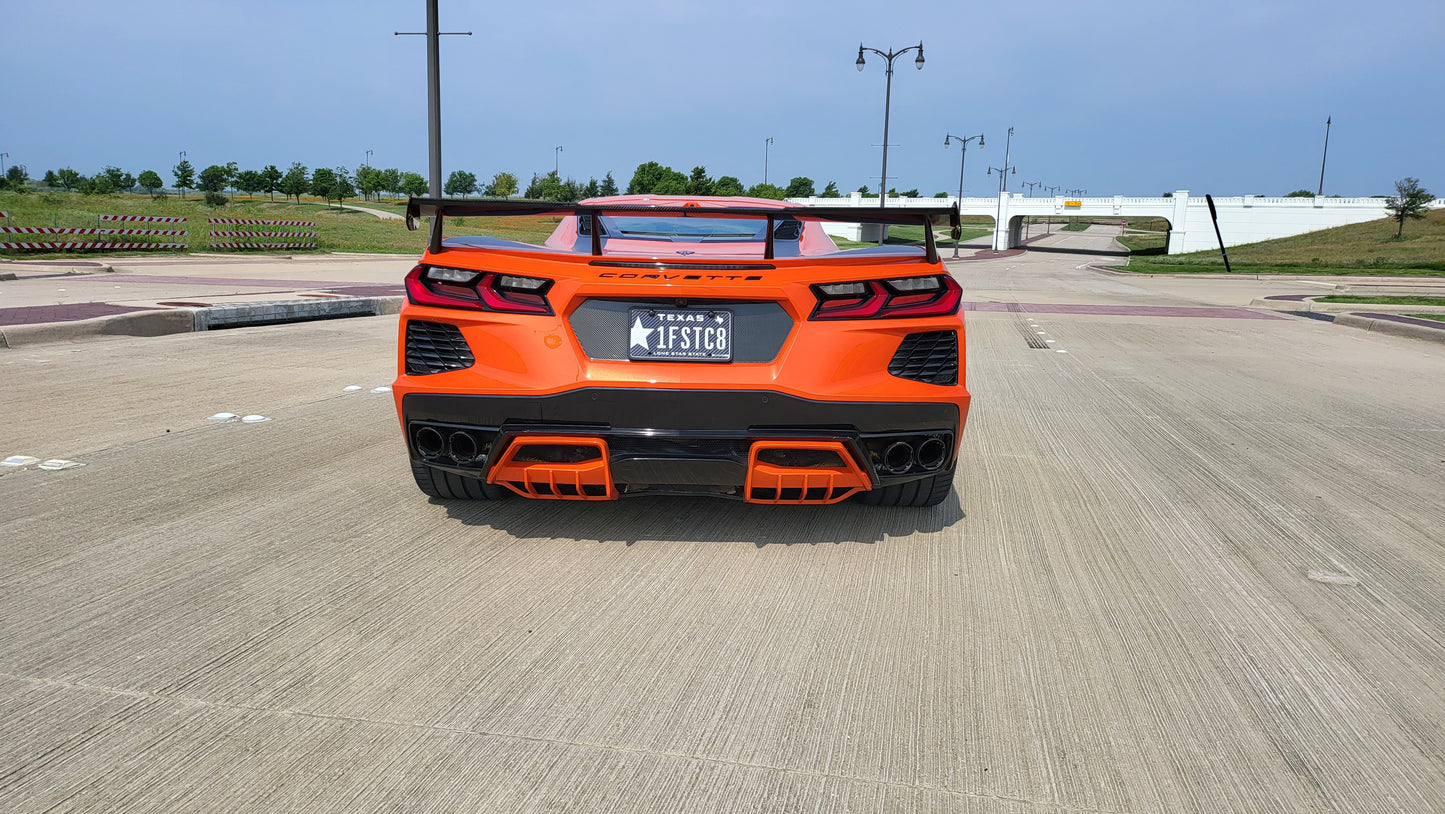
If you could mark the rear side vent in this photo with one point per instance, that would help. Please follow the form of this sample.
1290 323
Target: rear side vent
435 347
927 357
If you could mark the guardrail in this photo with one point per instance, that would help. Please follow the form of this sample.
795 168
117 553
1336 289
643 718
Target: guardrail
304 239
98 231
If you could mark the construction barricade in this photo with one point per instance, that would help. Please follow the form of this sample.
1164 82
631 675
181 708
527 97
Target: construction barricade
292 234
109 243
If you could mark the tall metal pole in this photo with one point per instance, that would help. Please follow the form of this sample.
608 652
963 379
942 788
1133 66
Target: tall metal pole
2 164
1323 157
963 155
766 144
998 227
888 103
433 101
557 161
433 96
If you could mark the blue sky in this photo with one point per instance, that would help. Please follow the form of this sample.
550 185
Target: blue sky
1130 98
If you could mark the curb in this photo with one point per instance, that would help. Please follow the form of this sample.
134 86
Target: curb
1375 322
188 320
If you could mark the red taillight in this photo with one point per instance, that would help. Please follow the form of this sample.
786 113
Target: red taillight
932 296
477 290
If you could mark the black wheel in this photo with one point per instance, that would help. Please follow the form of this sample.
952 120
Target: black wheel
929 491
440 483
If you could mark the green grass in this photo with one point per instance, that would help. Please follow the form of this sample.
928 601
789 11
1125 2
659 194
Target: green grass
1362 249
1075 226
1435 317
1382 300
913 235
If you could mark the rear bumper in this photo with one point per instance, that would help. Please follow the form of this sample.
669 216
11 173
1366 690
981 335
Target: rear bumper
677 441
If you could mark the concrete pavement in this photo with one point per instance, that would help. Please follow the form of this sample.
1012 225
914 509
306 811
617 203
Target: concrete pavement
1193 564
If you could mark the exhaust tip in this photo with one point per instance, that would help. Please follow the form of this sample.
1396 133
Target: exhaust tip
429 442
932 453
463 446
898 457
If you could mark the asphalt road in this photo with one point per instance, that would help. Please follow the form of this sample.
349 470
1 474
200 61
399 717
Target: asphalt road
1195 563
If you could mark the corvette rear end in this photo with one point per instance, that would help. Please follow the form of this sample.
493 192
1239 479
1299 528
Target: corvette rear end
668 345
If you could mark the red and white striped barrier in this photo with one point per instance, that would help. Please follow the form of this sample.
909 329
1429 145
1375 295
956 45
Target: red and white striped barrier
255 222
47 230
263 234
143 218
263 245
54 246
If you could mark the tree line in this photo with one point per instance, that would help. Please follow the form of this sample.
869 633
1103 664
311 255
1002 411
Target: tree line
340 183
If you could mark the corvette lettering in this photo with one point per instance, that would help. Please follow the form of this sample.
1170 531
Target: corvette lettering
612 275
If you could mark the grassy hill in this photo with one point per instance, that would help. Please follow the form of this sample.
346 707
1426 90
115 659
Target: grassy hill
1358 249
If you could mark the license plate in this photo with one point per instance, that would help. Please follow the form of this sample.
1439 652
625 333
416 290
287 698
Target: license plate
678 334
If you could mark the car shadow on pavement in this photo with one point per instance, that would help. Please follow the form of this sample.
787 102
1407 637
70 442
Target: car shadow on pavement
706 520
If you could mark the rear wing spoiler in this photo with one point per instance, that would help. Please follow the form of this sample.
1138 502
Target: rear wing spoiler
438 209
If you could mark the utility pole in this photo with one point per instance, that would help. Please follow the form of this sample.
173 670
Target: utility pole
557 161
1323 157
766 144
433 94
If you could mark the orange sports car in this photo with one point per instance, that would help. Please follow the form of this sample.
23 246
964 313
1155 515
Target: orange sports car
682 346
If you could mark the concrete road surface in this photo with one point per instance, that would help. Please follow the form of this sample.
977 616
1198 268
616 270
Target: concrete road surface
1194 564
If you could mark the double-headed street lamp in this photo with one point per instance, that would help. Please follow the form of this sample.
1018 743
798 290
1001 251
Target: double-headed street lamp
1031 185
890 55
768 142
1003 173
557 161
962 155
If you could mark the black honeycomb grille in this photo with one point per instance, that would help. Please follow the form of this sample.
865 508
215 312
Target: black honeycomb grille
927 357
435 347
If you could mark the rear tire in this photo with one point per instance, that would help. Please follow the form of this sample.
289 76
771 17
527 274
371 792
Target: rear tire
439 483
929 491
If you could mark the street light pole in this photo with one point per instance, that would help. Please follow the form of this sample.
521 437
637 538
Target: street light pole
1323 157
768 142
887 103
433 94
3 156
1003 183
557 161
368 158
962 155
1049 219
1031 185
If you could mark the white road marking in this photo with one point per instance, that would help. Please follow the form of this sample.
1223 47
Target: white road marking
385 388
59 463
221 417
352 388
19 460
254 419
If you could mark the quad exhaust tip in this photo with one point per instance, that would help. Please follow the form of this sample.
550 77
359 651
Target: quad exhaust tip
429 442
898 458
932 453
463 447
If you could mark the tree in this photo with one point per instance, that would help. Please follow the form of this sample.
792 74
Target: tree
652 177
216 199
910 193
502 185
231 173
460 182
699 183
831 191
727 187
151 181
185 176
800 187
120 180
368 181
592 190
100 184
271 180
391 180
341 187
767 191
893 192
321 182
940 194
17 178
249 182
296 181
67 178
413 184
1409 201
51 179
1300 193
863 190
214 178
609 186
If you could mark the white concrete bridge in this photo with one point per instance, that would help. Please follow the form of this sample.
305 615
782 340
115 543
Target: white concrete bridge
1244 219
